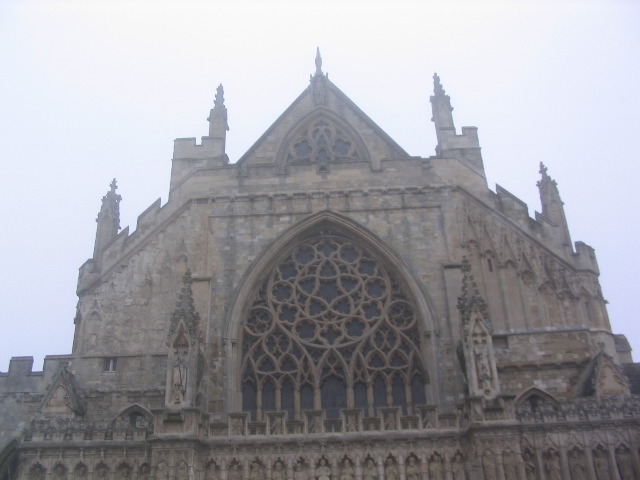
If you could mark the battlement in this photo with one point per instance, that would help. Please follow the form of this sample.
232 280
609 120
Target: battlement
20 376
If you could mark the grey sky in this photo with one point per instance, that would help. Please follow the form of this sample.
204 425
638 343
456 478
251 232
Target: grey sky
95 90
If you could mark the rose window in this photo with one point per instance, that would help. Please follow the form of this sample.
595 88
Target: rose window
331 328
322 143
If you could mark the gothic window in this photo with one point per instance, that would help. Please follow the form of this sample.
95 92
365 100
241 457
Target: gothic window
331 328
322 142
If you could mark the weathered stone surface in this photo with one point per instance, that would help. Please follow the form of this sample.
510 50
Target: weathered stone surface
345 311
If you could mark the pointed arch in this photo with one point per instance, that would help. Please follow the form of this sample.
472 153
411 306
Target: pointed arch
281 248
135 410
535 391
303 138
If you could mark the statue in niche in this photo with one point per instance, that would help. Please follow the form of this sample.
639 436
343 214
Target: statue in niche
413 469
36 473
80 472
144 472
391 471
488 467
59 472
457 467
256 471
530 471
552 467
278 472
234 472
179 377
625 464
601 465
162 471
102 471
483 365
347 470
436 470
300 471
509 465
323 470
182 471
369 470
577 467
211 471
124 472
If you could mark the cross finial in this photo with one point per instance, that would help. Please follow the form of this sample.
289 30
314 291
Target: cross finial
113 185
318 62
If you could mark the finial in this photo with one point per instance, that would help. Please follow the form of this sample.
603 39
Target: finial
113 185
219 100
318 62
437 86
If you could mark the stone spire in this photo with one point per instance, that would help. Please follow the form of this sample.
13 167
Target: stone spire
108 221
470 299
318 62
218 126
185 312
318 82
552 205
441 108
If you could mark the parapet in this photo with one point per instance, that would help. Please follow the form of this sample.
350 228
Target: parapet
21 378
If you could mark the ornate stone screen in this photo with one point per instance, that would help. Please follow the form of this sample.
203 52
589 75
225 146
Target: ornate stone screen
331 328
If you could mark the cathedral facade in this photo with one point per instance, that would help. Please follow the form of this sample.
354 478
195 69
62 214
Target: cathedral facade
330 307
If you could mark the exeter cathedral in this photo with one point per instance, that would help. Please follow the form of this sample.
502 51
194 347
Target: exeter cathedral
330 307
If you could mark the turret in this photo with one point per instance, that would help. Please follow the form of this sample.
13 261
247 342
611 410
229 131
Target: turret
553 207
108 223
464 147
218 126
188 156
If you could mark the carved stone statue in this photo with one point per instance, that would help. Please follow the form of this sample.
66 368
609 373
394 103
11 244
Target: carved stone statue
36 473
234 472
413 469
552 466
300 471
391 471
577 467
436 468
323 470
509 466
278 472
179 376
457 467
625 464
369 470
59 472
601 465
347 471
256 471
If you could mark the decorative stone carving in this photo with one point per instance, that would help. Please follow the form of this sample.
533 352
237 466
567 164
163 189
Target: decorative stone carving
577 465
278 472
509 465
256 471
300 471
235 472
552 468
625 463
323 470
369 470
391 471
601 463
436 467
319 313
347 472
457 467
412 468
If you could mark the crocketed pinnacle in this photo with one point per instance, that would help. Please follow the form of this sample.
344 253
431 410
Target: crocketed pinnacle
318 62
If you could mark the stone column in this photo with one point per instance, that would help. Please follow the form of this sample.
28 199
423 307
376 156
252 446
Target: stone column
615 475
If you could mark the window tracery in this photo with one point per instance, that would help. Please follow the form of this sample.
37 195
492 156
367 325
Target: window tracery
322 142
330 329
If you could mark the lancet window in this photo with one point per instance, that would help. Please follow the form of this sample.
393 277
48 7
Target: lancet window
321 143
331 328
